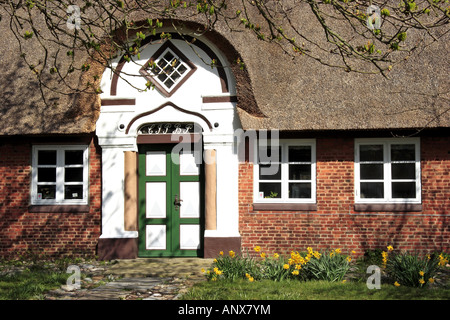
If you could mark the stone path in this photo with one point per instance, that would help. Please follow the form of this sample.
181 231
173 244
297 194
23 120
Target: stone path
137 279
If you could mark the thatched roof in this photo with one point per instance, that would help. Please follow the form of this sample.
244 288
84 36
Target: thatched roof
274 92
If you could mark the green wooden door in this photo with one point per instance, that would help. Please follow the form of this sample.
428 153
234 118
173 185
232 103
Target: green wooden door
170 203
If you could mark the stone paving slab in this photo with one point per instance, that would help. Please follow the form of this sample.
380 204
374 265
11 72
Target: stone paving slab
138 279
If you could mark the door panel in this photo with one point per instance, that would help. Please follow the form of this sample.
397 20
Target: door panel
190 193
155 197
170 203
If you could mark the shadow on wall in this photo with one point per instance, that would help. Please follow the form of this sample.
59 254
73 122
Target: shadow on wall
52 234
24 111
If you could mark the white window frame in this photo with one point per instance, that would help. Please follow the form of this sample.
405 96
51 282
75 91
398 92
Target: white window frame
59 196
182 76
387 173
284 144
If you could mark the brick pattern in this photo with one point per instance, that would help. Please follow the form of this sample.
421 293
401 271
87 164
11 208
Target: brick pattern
49 234
335 224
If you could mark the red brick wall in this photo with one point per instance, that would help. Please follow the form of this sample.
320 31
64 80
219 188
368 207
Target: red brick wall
335 224
50 234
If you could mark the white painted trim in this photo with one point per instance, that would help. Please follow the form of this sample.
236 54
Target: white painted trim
60 180
285 143
387 142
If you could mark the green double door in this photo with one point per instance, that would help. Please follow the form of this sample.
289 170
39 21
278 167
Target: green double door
170 202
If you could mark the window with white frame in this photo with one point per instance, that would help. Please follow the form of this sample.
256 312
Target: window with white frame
286 172
387 170
59 175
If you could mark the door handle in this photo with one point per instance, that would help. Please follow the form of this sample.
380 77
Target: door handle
177 202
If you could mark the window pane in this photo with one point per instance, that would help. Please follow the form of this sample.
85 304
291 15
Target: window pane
73 175
270 190
46 192
168 56
403 171
403 152
372 190
73 157
299 172
371 171
270 171
47 157
169 83
300 154
371 152
182 69
46 175
73 192
403 190
300 190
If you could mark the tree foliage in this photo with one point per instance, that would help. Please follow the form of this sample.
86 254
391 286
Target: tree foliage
355 35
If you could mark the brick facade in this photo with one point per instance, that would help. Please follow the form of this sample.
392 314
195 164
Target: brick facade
336 224
53 233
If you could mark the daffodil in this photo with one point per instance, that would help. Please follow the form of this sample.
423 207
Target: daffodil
286 266
231 253
422 273
263 255
203 270
250 279
338 250
349 259
390 248
221 253
257 248
421 281
431 280
276 255
397 284
295 272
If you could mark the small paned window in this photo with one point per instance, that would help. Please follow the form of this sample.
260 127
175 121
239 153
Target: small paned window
286 173
167 69
60 175
387 170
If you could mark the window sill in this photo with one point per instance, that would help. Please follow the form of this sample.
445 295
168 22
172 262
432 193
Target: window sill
58 208
284 206
394 207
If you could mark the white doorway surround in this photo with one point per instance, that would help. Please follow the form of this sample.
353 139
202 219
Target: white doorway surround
186 90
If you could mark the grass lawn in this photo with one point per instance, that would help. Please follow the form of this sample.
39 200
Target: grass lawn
309 290
30 284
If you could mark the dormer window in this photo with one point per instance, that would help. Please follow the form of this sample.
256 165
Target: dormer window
168 69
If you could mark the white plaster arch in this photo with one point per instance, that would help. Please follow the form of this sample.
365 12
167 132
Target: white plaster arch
168 112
